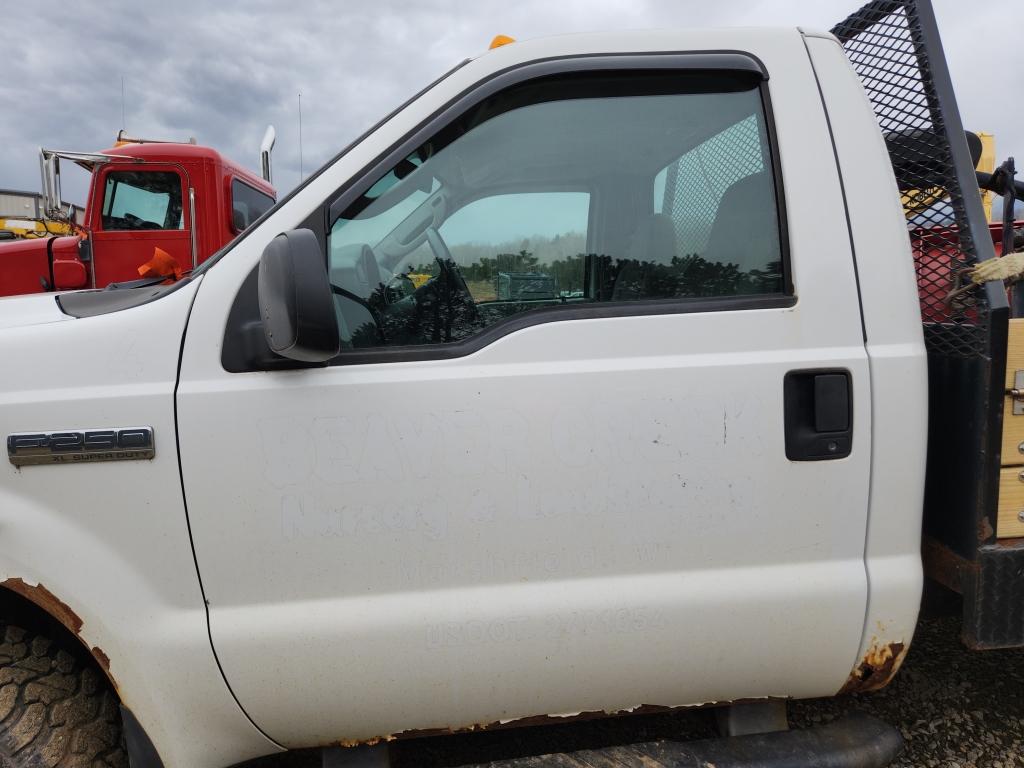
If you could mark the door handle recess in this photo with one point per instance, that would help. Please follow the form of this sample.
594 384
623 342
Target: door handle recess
818 409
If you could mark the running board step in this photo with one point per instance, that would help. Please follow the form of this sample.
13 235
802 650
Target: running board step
855 741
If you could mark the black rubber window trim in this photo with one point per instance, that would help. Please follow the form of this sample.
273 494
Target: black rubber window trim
558 314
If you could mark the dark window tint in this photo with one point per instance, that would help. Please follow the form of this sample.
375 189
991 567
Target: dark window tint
142 200
247 205
719 198
564 192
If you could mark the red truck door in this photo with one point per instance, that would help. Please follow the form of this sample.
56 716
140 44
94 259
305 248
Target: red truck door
135 210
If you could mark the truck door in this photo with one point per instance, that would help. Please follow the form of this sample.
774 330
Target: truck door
598 436
137 209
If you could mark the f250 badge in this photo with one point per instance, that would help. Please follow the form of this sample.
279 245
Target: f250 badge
77 445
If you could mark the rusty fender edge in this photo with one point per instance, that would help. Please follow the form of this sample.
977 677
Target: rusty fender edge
141 751
878 667
61 612
855 741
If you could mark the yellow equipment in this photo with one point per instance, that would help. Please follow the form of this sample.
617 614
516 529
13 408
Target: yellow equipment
30 228
917 200
987 163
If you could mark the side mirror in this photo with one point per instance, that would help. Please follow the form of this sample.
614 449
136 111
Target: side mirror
975 147
49 170
295 299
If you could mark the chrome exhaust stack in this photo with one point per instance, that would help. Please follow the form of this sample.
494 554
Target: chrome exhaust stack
265 149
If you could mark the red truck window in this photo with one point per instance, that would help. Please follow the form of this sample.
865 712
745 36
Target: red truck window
142 200
247 205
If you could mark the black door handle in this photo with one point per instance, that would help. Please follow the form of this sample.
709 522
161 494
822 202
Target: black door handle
818 414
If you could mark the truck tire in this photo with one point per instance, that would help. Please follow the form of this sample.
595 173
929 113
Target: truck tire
56 709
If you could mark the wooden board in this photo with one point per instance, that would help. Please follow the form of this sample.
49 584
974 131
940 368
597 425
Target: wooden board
1011 502
1013 426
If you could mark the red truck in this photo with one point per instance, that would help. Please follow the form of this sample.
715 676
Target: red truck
184 199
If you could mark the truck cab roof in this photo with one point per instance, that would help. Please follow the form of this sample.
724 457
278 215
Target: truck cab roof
177 152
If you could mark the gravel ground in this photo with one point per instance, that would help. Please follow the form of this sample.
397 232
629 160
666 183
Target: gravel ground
956 709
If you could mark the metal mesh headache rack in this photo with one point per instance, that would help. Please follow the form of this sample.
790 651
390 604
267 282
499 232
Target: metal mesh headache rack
900 63
895 49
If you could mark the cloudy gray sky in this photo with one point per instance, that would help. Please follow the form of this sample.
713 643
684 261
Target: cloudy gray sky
222 71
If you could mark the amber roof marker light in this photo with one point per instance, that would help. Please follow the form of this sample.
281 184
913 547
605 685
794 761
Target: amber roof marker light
500 40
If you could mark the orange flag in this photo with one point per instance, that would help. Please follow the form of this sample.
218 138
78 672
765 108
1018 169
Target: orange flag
161 265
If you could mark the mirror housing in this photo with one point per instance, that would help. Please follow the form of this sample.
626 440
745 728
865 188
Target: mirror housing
49 170
975 147
295 299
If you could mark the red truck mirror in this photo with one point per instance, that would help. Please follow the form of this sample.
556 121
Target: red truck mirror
69 275
68 269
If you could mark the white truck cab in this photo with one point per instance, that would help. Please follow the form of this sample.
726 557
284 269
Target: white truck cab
590 379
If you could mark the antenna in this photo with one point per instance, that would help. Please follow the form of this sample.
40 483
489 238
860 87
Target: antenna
122 103
301 176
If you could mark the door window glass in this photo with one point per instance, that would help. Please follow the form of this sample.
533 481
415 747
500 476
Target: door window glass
570 191
720 198
142 200
522 246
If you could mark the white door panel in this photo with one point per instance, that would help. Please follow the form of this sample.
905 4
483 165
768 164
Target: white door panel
454 658
501 539
583 515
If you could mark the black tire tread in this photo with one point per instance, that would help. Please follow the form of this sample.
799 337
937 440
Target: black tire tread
56 708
